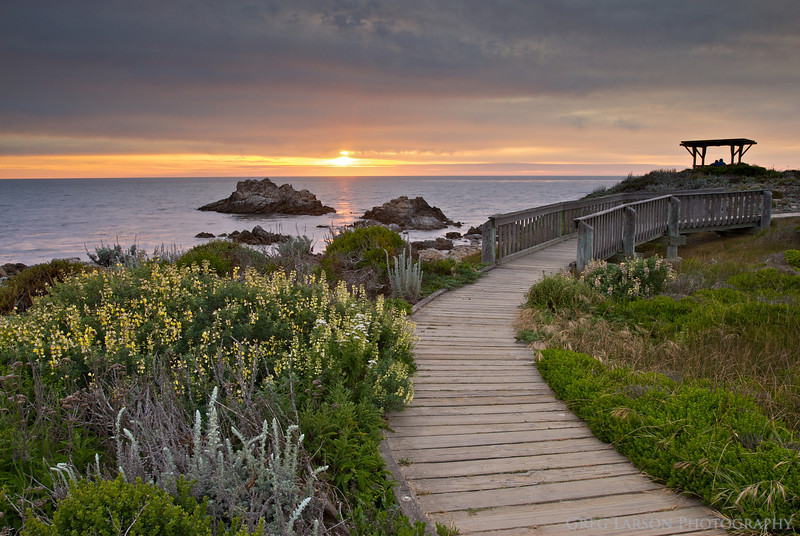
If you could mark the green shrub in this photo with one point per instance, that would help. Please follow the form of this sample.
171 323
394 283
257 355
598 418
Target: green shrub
347 436
439 266
740 170
662 316
767 280
159 337
273 326
563 294
792 257
223 255
632 278
116 507
361 247
710 442
447 273
19 291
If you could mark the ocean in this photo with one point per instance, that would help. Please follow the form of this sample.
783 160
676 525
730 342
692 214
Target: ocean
43 219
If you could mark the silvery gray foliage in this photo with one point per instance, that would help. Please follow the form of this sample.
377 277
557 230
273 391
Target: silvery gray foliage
405 277
247 478
295 246
292 255
115 255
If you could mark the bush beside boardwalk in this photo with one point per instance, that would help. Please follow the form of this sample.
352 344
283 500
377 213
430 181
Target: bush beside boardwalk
695 376
112 370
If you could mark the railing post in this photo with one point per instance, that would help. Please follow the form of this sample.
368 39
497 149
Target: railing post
585 245
766 210
488 241
629 232
673 221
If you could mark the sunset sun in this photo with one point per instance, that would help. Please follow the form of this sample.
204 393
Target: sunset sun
344 159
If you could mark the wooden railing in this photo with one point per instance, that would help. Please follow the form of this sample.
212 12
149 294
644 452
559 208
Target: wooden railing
649 216
617 230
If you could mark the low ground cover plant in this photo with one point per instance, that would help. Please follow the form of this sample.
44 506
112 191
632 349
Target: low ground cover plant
729 177
119 507
720 337
711 442
449 273
158 339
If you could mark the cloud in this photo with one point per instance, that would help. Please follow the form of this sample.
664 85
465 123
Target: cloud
417 75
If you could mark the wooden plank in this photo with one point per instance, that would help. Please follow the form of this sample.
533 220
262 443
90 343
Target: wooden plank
451 429
483 452
487 408
505 438
530 464
550 515
421 400
514 479
534 494
401 419
496 387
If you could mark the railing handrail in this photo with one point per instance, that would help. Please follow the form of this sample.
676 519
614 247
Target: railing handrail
511 234
620 207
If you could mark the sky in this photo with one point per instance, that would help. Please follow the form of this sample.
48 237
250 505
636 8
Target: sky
112 88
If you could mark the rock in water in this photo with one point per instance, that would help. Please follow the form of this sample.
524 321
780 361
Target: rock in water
440 243
11 269
258 237
409 214
265 197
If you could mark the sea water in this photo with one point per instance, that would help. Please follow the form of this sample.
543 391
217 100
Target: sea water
43 219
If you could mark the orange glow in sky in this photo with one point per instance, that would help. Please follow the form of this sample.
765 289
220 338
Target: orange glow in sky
325 87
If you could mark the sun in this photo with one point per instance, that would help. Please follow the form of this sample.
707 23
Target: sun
344 159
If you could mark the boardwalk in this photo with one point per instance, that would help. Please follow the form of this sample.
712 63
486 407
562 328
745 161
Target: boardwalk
485 445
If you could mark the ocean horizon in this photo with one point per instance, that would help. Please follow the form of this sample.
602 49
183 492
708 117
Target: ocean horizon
43 219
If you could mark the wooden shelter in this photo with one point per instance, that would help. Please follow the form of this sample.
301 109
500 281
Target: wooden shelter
738 146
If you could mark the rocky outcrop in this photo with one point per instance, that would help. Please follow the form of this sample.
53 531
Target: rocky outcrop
439 243
258 237
427 255
409 214
265 197
11 269
458 253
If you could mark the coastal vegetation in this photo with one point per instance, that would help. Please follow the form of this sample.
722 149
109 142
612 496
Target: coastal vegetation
241 391
19 291
691 371
785 185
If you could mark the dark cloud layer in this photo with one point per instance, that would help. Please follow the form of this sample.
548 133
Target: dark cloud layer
230 71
